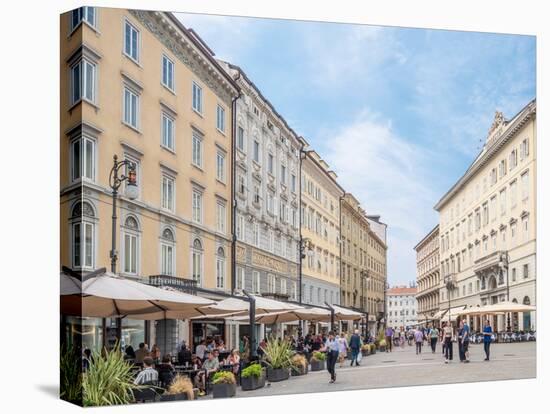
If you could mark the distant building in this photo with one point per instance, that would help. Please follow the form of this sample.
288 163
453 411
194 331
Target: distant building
427 275
402 307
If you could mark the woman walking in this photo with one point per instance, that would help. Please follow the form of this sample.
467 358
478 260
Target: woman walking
342 348
331 348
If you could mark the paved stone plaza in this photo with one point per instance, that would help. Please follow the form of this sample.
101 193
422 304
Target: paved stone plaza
403 367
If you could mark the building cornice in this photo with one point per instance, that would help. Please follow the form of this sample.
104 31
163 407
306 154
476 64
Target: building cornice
526 114
427 237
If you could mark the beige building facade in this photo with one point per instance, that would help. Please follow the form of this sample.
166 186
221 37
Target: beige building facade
487 224
376 263
427 275
138 85
320 227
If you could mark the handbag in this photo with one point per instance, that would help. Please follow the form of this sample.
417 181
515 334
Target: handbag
359 357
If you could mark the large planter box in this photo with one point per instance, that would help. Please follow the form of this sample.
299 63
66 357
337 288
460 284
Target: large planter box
317 365
300 371
174 397
252 383
275 375
382 348
224 390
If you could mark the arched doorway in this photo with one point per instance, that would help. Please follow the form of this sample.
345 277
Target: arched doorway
526 315
515 318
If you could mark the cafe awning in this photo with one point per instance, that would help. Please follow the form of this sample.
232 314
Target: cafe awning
103 294
344 314
498 308
240 307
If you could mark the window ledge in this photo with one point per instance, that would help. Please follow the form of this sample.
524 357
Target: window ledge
172 91
83 100
221 182
197 167
167 149
219 131
200 114
131 59
133 128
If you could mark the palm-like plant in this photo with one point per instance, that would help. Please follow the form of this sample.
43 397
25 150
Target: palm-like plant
70 375
108 380
278 354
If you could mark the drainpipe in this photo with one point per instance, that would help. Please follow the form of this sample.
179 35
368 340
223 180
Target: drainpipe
233 198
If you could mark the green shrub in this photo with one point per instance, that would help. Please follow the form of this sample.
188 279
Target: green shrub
278 354
109 380
253 370
223 377
382 343
70 367
319 356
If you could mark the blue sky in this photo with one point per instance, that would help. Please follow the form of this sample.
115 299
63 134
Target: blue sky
398 113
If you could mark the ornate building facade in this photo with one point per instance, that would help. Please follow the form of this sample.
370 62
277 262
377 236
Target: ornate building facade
376 262
487 224
320 225
402 307
139 85
267 194
427 275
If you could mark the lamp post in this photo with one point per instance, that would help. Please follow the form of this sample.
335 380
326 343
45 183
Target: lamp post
450 285
364 279
503 265
115 181
305 250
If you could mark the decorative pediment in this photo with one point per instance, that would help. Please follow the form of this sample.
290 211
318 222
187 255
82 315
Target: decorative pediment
502 227
493 232
513 221
524 214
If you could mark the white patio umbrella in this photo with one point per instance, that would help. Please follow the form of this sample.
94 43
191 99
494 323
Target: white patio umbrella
498 308
241 307
343 314
309 314
106 295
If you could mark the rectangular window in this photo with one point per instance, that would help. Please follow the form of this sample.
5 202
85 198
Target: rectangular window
220 118
167 72
240 278
525 271
220 218
256 281
256 153
83 245
167 131
513 159
503 202
131 108
283 174
83 14
197 149
525 225
197 266
197 206
197 98
525 185
524 149
513 193
220 166
270 163
220 273
167 193
83 81
167 259
240 139
130 253
131 41
514 274
293 183
83 159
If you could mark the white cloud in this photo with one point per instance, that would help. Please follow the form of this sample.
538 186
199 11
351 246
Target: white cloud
390 176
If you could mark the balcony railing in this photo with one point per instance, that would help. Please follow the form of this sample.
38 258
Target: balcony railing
178 283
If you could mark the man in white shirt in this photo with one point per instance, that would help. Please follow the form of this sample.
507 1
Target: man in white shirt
331 347
201 349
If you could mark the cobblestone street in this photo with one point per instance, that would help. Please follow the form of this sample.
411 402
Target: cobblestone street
403 367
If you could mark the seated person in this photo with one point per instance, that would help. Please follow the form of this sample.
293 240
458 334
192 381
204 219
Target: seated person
234 359
129 353
166 371
148 375
210 366
142 352
184 355
196 361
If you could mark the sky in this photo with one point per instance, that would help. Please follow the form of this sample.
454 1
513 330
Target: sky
398 113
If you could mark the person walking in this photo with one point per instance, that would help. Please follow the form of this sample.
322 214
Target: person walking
460 343
448 341
465 340
342 348
487 333
434 336
355 346
331 347
389 338
418 338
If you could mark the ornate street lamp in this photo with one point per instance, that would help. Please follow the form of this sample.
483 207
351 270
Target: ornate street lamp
131 192
450 285
306 249
364 279
503 265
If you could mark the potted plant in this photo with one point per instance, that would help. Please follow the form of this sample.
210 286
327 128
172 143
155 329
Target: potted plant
278 357
224 384
108 380
372 349
181 388
252 377
382 345
299 365
365 349
318 361
70 375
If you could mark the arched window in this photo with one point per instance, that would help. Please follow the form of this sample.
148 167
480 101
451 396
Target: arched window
196 261
220 268
167 252
130 245
527 315
526 300
83 221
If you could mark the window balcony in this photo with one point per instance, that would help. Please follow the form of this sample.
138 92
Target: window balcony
178 283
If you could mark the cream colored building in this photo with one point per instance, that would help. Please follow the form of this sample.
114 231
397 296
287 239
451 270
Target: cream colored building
320 224
376 262
427 275
487 223
138 85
